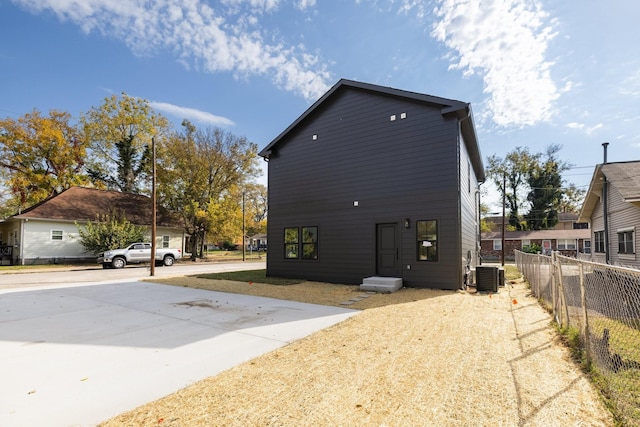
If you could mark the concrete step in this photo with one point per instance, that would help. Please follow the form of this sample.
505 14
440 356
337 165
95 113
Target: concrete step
381 284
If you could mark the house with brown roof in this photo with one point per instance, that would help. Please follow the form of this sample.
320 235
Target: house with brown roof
612 207
568 242
566 221
47 232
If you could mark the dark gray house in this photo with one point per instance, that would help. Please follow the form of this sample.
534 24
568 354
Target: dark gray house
375 181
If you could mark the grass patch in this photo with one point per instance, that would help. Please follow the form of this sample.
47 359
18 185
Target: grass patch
18 268
620 387
511 272
257 276
221 255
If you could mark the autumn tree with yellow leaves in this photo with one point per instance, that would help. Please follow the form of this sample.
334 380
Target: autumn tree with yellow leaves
199 174
120 133
40 156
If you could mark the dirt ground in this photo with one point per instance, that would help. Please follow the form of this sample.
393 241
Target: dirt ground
414 357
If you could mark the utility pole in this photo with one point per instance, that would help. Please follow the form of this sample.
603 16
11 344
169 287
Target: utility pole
153 207
244 239
504 202
605 207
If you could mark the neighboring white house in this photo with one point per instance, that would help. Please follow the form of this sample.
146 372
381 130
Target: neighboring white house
257 242
612 207
47 233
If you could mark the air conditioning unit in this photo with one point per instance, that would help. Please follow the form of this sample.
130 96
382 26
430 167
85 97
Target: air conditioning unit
487 279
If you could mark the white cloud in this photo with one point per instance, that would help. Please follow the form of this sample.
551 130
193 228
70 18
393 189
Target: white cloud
202 38
574 125
630 86
592 129
503 41
305 4
192 114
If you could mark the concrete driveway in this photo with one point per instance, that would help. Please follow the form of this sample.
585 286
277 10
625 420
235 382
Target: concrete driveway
75 355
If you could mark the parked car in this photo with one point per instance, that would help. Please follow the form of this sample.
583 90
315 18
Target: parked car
137 253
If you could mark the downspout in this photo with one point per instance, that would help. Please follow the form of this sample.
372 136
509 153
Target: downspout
605 206
479 244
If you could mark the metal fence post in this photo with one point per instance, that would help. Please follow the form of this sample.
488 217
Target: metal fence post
585 317
538 278
564 307
554 291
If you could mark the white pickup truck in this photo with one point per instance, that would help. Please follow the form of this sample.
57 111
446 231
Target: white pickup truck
137 253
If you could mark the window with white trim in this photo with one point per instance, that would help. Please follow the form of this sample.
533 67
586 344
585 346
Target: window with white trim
626 241
587 246
598 241
56 234
497 245
526 243
567 244
165 241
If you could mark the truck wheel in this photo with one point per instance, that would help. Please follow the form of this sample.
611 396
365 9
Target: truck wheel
168 261
118 262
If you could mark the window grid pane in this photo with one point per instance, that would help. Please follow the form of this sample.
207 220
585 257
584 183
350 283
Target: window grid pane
598 243
309 242
291 240
427 240
625 242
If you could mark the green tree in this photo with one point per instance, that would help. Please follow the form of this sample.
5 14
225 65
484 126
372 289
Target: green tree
510 177
199 173
120 133
255 203
545 194
110 231
40 156
534 180
572 198
485 226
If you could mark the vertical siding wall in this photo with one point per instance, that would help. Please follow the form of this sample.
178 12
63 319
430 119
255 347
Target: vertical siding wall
407 168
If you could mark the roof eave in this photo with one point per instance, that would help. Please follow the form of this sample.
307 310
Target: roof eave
462 109
593 195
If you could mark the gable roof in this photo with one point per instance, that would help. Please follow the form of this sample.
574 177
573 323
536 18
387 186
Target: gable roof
624 176
84 204
461 110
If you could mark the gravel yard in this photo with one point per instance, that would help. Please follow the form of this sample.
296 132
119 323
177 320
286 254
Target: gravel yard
414 357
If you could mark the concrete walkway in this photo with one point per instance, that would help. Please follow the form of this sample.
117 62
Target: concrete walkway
75 355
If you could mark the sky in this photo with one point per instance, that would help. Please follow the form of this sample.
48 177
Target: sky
536 72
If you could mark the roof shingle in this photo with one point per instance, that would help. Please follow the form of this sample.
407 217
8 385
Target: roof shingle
85 204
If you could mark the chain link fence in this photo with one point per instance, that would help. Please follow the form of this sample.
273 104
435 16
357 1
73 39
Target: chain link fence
602 302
